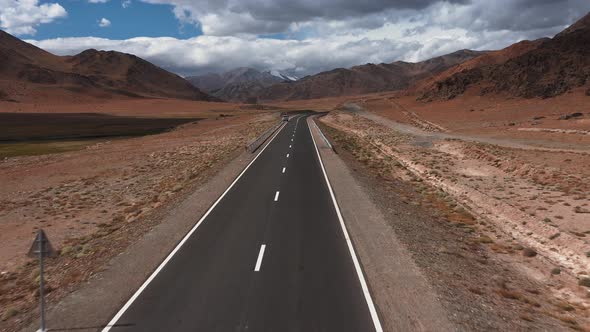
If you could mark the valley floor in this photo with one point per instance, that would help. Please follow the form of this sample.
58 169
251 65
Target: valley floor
488 196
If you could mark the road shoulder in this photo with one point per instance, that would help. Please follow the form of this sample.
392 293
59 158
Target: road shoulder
405 301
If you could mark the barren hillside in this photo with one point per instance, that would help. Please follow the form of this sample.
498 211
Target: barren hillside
364 79
28 73
553 67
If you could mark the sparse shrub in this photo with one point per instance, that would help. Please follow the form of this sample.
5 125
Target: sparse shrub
9 313
476 290
528 252
66 250
555 271
565 306
484 239
510 294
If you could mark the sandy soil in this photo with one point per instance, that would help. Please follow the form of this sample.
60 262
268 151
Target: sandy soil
530 206
82 195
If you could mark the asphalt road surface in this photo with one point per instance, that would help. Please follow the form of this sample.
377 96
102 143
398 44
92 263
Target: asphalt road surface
271 255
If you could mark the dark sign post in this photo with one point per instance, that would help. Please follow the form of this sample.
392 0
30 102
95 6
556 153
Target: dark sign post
41 248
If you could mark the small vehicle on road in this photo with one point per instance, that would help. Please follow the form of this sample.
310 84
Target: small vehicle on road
285 118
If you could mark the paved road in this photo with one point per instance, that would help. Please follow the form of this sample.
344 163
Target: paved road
270 256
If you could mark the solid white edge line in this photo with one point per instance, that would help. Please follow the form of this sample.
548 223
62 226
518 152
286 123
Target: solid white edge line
260 256
357 266
160 267
277 196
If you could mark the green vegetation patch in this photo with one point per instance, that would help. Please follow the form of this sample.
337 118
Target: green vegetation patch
8 150
23 127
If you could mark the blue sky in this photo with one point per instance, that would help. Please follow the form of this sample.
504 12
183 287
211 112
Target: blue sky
299 37
138 20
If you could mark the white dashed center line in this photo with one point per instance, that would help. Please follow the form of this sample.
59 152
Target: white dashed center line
260 255
284 169
277 196
287 155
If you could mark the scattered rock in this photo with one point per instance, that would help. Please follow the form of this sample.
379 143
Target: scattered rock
570 116
585 281
528 252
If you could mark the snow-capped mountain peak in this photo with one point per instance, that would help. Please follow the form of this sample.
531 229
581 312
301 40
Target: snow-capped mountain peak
283 75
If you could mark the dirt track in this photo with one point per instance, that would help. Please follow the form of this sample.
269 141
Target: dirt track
431 135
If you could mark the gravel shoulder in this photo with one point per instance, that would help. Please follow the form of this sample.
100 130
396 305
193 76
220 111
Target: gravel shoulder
405 300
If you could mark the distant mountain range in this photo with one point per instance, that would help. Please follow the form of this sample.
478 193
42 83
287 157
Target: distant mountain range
543 68
367 78
240 84
28 73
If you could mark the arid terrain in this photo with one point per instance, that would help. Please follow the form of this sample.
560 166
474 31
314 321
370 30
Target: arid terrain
477 163
89 191
508 172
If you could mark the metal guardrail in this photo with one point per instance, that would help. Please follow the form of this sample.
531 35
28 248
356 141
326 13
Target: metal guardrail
252 147
322 134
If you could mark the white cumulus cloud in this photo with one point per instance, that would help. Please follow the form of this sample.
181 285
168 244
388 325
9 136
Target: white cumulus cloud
21 17
235 17
322 35
204 54
104 23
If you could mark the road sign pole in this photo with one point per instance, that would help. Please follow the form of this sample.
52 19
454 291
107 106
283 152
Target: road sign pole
41 283
41 248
